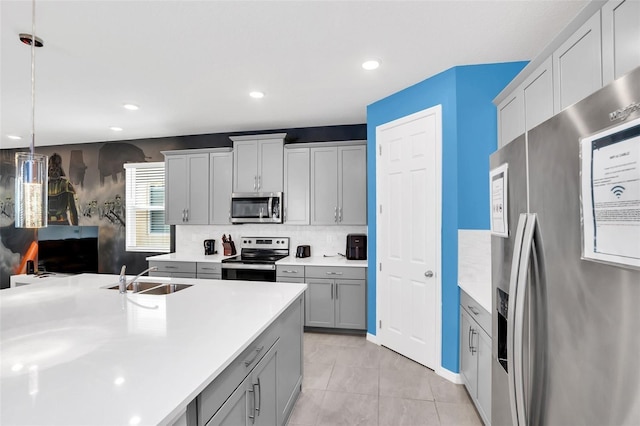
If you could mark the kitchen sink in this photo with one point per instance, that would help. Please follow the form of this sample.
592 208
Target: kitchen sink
146 287
167 289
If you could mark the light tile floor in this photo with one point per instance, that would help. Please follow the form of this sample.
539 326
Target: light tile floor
350 381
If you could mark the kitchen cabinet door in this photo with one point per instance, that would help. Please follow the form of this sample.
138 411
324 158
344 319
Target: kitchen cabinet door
234 411
245 168
221 183
510 118
296 186
175 173
319 305
324 186
270 165
262 403
350 302
198 189
468 358
483 344
577 65
289 360
352 185
620 38
538 95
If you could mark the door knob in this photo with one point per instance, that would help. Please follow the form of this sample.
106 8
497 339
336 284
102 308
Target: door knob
428 274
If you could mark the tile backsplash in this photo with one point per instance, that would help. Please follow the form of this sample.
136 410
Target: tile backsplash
324 240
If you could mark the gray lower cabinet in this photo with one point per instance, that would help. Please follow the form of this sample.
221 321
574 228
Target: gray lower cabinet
289 274
475 354
335 297
173 269
261 386
208 270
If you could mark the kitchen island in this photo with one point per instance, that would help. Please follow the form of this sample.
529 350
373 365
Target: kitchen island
74 352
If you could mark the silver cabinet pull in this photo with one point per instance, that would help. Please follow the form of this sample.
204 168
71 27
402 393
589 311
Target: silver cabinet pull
335 214
340 214
473 310
171 267
259 181
253 417
428 274
259 398
284 214
187 215
289 272
473 348
334 273
249 362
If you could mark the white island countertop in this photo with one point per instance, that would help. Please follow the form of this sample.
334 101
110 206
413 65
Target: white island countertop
75 353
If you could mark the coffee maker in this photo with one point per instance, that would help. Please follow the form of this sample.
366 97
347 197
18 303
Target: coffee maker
210 247
356 247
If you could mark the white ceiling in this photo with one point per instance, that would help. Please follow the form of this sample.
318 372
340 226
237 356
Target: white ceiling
190 65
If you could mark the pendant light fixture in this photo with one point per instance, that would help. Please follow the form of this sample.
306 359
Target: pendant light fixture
31 169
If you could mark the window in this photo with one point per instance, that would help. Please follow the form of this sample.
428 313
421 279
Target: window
145 226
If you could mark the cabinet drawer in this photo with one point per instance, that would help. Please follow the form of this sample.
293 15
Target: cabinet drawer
214 395
209 268
477 312
172 266
341 272
290 271
285 279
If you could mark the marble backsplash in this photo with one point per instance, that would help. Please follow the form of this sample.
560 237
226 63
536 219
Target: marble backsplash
324 240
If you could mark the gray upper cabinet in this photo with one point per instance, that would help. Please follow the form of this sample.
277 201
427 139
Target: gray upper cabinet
577 65
339 185
258 163
510 118
620 38
352 185
296 186
537 92
220 183
187 189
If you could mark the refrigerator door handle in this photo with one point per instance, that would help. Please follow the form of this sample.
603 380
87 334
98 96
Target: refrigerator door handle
511 317
523 282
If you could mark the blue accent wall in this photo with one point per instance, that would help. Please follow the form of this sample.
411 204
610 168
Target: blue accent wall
469 135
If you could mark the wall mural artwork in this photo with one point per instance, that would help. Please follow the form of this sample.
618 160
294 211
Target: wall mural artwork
86 188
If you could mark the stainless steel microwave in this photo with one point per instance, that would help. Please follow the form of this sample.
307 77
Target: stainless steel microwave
256 207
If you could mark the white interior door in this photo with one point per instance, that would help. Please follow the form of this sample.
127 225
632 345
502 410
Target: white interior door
408 235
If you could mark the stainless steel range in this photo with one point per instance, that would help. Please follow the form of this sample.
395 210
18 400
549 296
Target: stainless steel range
257 259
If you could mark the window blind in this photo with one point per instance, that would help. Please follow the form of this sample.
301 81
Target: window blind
145 225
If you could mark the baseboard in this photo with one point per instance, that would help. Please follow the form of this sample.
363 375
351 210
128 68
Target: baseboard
373 338
449 375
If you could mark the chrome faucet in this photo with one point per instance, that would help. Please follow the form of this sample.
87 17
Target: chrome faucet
122 281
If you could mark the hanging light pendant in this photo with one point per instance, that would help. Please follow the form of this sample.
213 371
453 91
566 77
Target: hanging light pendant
31 184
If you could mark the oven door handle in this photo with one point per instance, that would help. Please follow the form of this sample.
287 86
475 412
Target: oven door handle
261 267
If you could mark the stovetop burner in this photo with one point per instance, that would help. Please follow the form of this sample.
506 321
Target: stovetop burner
260 251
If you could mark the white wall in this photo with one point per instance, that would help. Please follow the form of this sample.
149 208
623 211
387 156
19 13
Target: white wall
328 240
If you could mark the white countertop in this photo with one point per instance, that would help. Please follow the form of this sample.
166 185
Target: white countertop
321 261
479 291
189 257
74 353
289 260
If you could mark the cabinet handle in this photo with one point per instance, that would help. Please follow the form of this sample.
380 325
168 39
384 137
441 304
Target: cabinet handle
183 215
473 310
289 272
284 214
334 273
187 214
259 181
331 291
171 267
255 183
469 338
259 398
473 348
253 417
335 214
249 362
340 214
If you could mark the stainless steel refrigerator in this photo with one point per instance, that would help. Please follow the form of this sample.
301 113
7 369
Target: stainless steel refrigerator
566 327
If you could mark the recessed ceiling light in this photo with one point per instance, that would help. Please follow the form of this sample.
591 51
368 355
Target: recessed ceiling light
370 65
257 95
131 107
14 137
116 129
